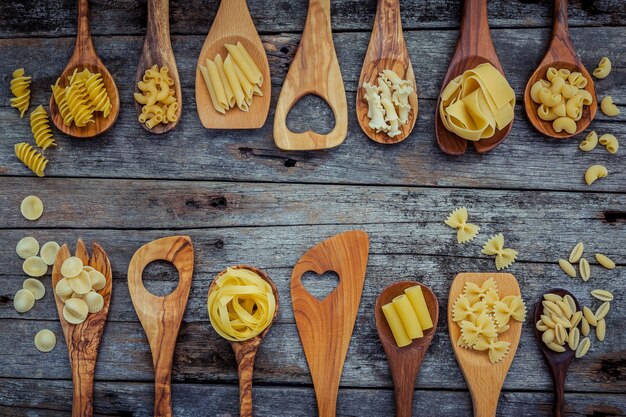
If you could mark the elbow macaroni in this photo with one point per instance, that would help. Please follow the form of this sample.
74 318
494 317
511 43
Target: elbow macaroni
608 108
603 69
610 142
595 172
157 97
590 142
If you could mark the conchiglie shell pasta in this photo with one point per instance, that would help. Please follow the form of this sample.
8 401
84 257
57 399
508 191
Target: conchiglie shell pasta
75 311
34 266
94 301
23 301
45 340
81 284
49 252
71 267
98 280
36 287
27 247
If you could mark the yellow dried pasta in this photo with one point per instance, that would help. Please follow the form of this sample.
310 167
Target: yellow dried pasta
603 69
30 157
83 96
458 220
40 126
158 97
504 256
20 87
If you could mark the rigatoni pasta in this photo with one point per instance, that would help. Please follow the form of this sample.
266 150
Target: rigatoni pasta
158 97
408 316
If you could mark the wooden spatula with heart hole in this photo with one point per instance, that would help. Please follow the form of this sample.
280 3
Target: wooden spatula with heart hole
484 379
325 327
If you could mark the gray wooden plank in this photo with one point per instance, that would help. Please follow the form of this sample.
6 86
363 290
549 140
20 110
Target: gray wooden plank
114 398
58 18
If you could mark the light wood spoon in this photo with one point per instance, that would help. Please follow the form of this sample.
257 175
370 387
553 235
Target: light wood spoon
560 54
157 49
557 362
85 56
474 47
233 24
161 317
386 50
314 70
404 362
83 340
245 352
484 379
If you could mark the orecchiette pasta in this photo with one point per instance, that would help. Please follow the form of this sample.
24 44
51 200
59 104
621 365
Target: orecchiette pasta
31 158
608 108
160 104
40 126
45 340
590 142
595 172
603 69
20 87
610 142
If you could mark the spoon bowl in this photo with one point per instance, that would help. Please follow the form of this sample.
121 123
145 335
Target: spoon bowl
85 57
558 363
233 24
404 362
560 54
83 340
245 352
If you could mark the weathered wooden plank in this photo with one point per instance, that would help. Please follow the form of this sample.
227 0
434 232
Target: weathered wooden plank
114 398
58 18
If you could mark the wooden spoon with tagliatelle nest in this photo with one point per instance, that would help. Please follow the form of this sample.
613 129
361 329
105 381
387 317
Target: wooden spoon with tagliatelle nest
259 308
387 51
83 339
75 115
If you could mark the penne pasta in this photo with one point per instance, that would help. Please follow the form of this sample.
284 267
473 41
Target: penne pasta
230 97
218 86
209 85
240 97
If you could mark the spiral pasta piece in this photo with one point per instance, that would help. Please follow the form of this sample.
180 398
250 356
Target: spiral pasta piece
98 93
40 126
78 103
20 87
31 158
83 96
58 93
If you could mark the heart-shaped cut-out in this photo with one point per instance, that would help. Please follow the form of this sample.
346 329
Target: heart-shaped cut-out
320 286
311 113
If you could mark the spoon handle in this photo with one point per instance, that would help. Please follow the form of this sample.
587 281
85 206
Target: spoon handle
474 27
558 375
162 383
82 379
560 28
84 43
485 401
245 353
158 30
404 383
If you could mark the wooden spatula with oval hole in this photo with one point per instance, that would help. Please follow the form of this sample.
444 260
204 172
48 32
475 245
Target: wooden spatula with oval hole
484 379
325 327
83 340
233 24
315 70
161 316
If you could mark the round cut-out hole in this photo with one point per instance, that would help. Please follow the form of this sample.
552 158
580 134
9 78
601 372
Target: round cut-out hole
313 113
160 278
319 286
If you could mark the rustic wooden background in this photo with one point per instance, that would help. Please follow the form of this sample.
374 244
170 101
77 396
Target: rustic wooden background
243 200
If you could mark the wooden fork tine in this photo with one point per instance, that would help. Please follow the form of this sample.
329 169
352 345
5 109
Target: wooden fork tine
81 252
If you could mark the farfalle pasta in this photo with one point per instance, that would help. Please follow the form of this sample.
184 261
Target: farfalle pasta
158 96
504 256
458 220
20 87
388 103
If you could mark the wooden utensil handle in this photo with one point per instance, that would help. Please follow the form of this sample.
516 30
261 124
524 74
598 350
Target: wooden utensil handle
560 28
163 387
474 25
83 38
404 387
485 402
245 355
158 29
82 380
558 376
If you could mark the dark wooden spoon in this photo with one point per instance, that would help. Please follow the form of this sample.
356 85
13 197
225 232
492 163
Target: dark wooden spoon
245 352
404 362
85 56
560 54
157 49
473 48
557 362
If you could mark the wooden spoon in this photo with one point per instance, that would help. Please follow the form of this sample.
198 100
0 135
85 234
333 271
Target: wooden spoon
233 24
85 56
484 379
83 340
474 47
560 54
161 316
315 70
386 50
157 49
557 362
245 352
404 362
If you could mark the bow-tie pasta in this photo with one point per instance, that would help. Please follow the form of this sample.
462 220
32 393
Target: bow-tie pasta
458 220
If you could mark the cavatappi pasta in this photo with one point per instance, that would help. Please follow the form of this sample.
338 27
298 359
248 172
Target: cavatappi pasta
408 316
40 126
561 97
458 220
232 81
495 246
30 157
158 97
20 87
482 316
78 290
83 96
477 103
388 102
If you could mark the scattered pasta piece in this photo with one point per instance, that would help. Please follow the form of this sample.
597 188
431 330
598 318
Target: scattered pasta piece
458 220
35 287
605 261
577 252
504 256
34 266
610 142
83 96
23 301
568 268
590 142
45 340
595 172
589 316
603 69
585 269
602 311
20 87
27 247
49 252
388 102
158 97
583 347
30 157
602 295
608 107
40 126
32 208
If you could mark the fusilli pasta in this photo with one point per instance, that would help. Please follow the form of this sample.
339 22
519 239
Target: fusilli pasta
40 126
31 158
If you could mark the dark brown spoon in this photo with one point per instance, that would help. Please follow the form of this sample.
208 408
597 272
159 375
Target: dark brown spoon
404 362
557 362
473 48
560 54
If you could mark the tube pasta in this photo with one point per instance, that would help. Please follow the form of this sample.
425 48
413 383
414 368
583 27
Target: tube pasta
30 157
157 97
233 80
20 87
603 69
252 73
610 142
590 142
595 172
608 108
40 126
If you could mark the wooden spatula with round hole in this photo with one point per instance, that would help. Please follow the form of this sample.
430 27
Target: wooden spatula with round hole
161 316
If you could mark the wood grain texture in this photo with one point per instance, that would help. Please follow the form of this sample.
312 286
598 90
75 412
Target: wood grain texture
474 47
386 50
157 49
85 56
314 70
161 316
83 340
404 362
245 352
325 327
558 363
233 24
484 379
560 54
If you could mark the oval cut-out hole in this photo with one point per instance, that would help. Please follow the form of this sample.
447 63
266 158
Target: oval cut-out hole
160 278
319 286
311 112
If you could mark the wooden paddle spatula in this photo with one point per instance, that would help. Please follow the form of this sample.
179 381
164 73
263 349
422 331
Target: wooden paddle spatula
474 47
325 327
83 340
484 379
315 70
161 316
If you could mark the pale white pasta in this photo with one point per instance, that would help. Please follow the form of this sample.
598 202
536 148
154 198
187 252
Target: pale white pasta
23 301
585 329
590 142
585 270
94 301
602 311
45 340
81 284
49 252
573 338
590 316
34 266
31 207
567 267
608 108
595 172
63 288
602 295
610 142
97 279
71 267
583 347
577 252
603 69
601 330
75 311
35 287
27 247
605 261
